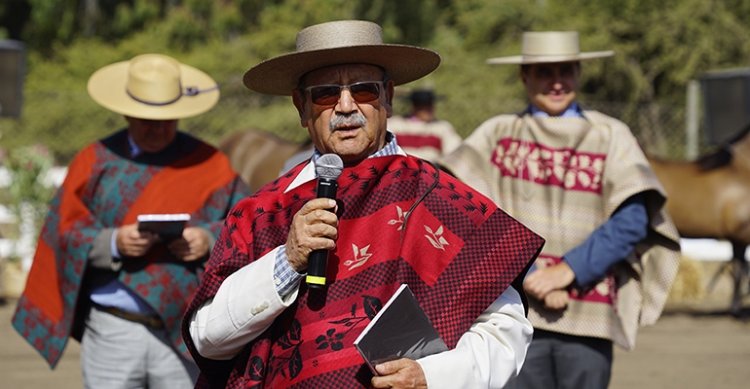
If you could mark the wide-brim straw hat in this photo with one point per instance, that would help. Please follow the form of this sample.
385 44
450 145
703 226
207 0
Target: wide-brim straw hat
548 47
337 43
153 86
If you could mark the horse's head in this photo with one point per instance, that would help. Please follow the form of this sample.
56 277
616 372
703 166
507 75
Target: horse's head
258 156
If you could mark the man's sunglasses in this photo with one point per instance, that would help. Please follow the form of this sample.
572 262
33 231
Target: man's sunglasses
362 92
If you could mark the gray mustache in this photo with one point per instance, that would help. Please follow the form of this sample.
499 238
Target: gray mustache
343 121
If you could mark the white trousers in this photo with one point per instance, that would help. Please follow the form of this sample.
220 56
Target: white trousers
120 354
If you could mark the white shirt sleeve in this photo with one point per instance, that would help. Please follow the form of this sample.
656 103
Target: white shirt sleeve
489 354
245 305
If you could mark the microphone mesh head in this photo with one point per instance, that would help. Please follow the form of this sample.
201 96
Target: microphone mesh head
329 166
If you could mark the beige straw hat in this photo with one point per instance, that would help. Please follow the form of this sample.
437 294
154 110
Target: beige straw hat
337 43
549 46
153 86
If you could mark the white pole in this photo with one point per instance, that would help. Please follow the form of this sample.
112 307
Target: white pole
692 114
27 235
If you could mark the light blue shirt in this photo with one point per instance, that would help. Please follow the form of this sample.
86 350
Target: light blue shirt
573 111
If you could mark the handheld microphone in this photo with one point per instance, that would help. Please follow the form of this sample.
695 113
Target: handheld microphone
328 169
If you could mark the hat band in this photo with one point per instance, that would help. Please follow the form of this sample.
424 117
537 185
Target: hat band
189 91
194 90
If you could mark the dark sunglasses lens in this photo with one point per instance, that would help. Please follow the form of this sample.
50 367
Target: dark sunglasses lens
329 94
364 92
325 95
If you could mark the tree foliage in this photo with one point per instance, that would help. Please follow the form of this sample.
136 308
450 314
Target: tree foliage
660 47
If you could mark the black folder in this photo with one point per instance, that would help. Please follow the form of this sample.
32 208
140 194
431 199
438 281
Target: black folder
400 329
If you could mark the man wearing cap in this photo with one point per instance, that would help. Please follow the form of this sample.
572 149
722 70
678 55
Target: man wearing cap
397 219
420 132
578 178
95 276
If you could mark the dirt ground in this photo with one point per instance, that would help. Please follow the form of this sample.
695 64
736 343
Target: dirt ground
695 344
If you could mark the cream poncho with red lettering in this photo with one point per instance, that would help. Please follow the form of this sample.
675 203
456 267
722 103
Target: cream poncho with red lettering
564 177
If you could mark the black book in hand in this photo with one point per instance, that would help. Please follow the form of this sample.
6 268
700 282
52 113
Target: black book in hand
400 329
167 225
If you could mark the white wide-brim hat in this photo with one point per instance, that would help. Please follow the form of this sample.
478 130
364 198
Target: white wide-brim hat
548 47
153 86
337 43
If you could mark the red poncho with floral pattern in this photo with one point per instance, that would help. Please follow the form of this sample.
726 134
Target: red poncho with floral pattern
400 221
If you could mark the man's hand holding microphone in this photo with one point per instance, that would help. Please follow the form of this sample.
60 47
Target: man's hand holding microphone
314 228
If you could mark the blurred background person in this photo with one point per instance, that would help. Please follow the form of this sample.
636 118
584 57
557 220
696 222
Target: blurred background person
121 292
579 179
420 132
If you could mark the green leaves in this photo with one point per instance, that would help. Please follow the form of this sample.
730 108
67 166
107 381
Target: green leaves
27 192
659 47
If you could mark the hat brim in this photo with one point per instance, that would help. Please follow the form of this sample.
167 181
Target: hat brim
526 59
280 75
107 86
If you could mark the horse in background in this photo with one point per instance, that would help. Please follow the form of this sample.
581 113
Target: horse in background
259 156
710 198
